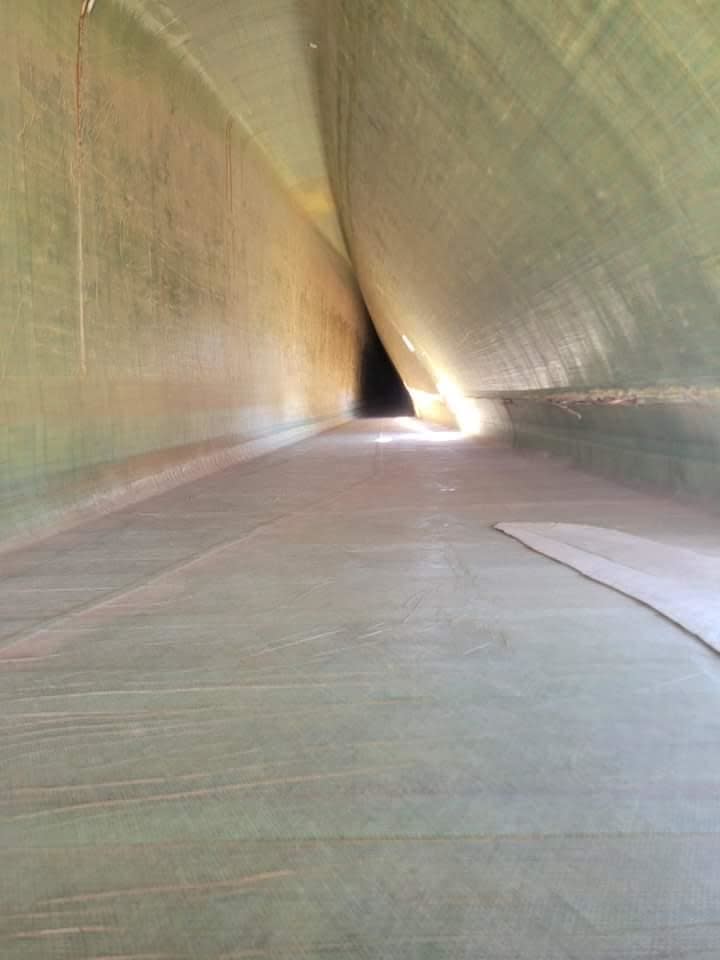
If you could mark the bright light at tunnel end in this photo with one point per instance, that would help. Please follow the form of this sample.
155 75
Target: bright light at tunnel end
463 409
423 431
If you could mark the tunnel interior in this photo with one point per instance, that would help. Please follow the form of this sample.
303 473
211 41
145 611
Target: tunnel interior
236 181
382 392
386 694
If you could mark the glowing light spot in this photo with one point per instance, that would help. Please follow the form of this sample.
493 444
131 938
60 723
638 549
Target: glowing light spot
423 402
463 408
424 432
408 343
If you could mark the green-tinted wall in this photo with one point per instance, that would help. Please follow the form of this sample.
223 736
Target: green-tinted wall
161 296
531 194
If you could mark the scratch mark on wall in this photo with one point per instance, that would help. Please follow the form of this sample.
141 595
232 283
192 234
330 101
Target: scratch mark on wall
171 888
230 296
84 10
210 792
475 649
62 932
229 165
295 643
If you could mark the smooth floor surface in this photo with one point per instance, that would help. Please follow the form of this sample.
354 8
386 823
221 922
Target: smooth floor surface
314 706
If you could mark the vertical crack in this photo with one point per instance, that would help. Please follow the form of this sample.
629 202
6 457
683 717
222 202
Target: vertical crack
86 8
229 221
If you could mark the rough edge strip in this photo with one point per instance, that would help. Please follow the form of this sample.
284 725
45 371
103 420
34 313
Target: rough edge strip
153 485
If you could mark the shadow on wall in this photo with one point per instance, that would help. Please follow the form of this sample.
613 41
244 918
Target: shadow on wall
382 392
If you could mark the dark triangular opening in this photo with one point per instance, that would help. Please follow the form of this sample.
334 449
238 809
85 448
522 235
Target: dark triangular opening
382 392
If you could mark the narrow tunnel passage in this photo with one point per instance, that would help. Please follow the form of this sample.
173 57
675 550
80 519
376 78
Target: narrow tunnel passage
382 392
327 704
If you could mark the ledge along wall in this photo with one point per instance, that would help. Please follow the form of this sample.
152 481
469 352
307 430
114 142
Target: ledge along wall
163 298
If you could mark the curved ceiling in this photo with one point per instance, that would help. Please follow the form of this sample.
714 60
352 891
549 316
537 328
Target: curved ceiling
529 189
262 58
